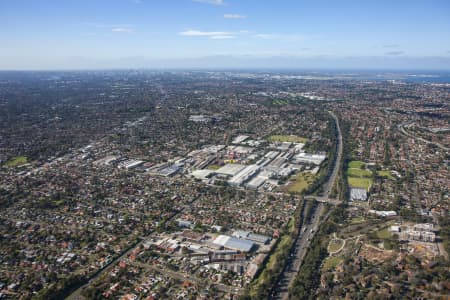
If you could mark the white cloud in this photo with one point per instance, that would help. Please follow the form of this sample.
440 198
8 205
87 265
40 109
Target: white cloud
234 16
210 34
122 29
213 2
234 34
281 37
222 37
264 36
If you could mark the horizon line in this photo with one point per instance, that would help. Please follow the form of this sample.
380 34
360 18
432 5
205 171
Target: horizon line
226 69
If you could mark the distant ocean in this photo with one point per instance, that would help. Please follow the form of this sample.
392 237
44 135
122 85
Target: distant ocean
405 77
415 76
443 78
418 76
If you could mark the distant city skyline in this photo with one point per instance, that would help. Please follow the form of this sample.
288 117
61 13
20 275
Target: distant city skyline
322 34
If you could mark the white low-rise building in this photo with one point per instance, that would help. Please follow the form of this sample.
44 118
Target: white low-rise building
358 194
316 159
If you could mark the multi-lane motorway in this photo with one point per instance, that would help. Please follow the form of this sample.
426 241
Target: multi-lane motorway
308 229
302 241
295 259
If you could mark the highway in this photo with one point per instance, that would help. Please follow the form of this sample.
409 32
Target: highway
301 244
403 130
337 163
295 259
308 229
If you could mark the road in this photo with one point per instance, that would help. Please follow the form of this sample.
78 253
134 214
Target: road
403 130
328 186
441 247
301 244
186 277
440 243
76 295
295 259
307 231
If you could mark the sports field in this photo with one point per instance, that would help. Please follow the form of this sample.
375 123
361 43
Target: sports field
16 161
287 138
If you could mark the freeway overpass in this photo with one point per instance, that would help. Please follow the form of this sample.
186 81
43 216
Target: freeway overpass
306 231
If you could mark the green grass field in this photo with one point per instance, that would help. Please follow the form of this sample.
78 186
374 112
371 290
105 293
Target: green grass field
356 164
291 224
280 102
335 245
385 173
331 263
299 182
16 161
287 138
363 183
384 234
213 167
353 172
357 220
358 176
59 202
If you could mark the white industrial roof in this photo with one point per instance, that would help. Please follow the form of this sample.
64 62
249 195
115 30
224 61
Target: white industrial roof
233 243
201 174
230 169
221 240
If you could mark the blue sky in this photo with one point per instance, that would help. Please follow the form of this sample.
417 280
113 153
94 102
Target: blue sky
63 34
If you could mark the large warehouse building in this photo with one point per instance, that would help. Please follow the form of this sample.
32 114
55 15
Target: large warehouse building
234 243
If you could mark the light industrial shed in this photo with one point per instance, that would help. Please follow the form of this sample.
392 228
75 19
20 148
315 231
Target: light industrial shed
234 243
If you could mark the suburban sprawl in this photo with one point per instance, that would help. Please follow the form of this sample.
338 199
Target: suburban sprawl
223 185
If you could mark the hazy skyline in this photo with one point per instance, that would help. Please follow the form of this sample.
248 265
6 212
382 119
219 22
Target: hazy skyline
84 34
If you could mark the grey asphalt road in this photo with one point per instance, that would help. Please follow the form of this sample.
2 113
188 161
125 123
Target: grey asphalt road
295 259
